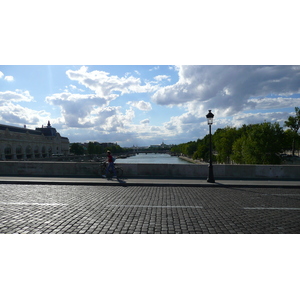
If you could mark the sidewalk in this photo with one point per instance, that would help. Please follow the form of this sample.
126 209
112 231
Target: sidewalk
145 182
147 206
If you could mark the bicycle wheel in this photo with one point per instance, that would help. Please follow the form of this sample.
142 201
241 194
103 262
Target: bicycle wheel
103 169
119 172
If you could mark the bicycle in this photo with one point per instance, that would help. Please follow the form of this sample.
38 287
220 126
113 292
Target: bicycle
119 170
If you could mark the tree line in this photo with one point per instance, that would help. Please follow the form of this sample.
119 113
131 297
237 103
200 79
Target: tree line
250 144
94 148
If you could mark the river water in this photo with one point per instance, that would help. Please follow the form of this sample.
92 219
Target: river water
151 158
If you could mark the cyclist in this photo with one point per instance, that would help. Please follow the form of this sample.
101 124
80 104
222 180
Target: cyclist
110 165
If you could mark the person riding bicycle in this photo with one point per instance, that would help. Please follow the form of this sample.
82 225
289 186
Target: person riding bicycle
110 165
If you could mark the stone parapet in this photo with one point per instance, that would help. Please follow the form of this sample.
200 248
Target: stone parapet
92 169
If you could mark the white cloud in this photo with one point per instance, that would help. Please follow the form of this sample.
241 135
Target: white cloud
74 88
141 105
255 118
272 103
76 108
9 78
162 77
145 122
15 114
92 111
229 88
109 126
183 124
111 118
16 96
109 87
154 68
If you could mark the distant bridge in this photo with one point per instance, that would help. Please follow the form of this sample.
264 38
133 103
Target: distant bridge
137 151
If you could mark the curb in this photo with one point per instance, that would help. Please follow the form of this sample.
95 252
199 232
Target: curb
150 182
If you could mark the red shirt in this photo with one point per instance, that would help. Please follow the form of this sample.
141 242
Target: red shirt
110 158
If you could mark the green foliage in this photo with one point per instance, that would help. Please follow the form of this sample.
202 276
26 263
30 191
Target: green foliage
190 148
94 148
223 140
77 149
238 150
202 152
196 150
261 144
115 149
291 139
185 148
293 123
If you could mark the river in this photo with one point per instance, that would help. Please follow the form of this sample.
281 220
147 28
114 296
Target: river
152 158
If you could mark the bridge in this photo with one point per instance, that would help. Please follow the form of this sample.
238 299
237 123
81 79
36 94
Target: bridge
139 170
163 151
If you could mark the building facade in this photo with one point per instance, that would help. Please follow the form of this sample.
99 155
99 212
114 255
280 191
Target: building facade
19 143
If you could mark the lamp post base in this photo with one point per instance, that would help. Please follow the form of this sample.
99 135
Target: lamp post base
210 178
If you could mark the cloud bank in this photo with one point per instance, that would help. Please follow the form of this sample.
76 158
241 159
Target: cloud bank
229 88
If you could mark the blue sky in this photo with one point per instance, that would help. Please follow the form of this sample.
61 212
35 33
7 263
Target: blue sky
145 104
140 74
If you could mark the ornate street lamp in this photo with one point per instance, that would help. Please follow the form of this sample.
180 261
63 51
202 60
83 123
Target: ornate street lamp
210 178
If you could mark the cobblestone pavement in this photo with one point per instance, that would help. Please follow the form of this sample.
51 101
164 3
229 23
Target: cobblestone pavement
147 209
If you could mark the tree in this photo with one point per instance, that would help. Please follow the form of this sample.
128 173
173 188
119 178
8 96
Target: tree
190 148
115 149
261 144
203 149
77 149
293 123
202 152
238 150
185 148
250 144
91 148
223 140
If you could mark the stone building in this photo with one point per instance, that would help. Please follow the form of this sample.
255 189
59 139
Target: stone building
22 143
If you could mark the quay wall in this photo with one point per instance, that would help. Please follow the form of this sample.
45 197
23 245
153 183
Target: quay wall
92 169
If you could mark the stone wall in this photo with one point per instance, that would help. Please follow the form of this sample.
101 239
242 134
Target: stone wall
92 169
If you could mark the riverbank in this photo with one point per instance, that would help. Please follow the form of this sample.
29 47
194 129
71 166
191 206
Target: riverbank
193 161
152 158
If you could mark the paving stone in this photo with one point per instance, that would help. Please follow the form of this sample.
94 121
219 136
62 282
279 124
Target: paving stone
148 209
